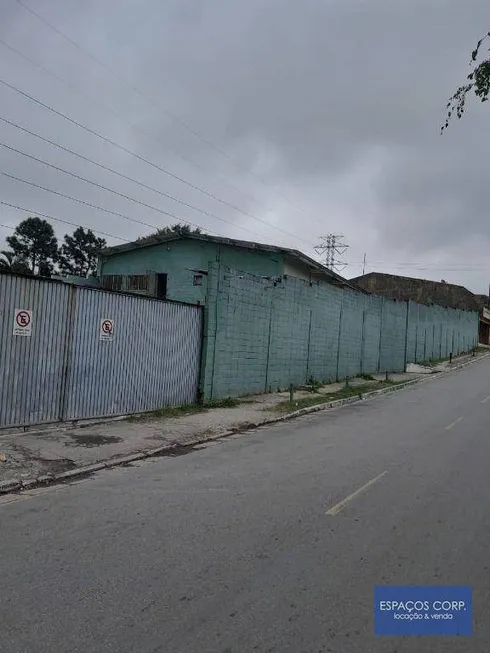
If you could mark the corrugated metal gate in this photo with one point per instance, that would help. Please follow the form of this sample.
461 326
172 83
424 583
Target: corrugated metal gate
79 353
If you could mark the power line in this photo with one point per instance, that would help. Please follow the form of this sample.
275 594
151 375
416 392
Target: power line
93 206
149 99
426 266
75 199
110 190
140 158
132 125
51 217
120 174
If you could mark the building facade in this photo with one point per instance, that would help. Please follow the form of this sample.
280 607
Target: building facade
176 267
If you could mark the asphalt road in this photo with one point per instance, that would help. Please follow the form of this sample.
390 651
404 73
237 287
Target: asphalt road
261 542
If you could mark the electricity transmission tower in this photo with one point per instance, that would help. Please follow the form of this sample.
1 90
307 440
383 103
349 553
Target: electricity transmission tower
330 248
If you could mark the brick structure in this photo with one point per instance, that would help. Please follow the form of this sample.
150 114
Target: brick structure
424 291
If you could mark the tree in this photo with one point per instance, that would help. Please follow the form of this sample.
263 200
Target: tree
478 83
177 229
79 252
35 243
10 263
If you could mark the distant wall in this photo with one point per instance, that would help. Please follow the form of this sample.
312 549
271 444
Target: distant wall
422 291
261 334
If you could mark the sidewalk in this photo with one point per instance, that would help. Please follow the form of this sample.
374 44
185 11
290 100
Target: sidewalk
33 457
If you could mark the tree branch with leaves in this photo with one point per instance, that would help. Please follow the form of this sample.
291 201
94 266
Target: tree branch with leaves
9 262
177 229
478 83
35 244
78 254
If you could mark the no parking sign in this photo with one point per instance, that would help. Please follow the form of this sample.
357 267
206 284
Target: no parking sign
22 322
106 329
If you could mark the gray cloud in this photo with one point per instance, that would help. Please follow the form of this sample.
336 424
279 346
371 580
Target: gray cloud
330 111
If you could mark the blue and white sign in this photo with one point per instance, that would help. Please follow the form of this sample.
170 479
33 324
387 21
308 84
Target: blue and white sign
425 610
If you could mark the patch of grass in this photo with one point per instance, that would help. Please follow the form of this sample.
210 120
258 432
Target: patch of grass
434 361
175 411
343 393
229 402
366 377
313 384
190 409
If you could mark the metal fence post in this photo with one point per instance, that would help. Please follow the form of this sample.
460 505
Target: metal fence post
67 355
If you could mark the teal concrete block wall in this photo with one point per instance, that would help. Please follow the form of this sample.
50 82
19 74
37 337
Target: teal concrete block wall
371 335
421 326
392 348
412 332
237 334
304 327
324 332
263 334
289 326
438 330
350 335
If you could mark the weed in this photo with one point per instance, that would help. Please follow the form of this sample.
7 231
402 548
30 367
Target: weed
313 385
229 402
176 411
366 377
343 393
190 409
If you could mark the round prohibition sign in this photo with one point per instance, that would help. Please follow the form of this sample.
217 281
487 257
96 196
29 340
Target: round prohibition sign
107 327
23 319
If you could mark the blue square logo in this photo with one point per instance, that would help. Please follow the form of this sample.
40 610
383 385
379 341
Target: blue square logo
423 610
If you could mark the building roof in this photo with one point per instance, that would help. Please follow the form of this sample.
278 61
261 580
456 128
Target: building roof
423 291
157 239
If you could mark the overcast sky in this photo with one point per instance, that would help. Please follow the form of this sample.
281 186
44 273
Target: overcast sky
284 120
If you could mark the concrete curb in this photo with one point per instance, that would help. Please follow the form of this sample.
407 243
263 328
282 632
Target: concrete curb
16 484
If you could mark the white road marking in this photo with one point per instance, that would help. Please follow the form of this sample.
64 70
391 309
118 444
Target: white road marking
456 421
334 510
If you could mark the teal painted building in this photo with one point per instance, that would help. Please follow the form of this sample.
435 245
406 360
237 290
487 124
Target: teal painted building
176 267
275 317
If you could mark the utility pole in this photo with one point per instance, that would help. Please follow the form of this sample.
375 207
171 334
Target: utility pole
364 265
330 248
